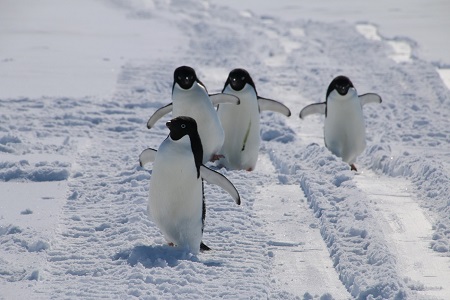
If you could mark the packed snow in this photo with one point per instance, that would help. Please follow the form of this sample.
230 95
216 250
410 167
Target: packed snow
79 81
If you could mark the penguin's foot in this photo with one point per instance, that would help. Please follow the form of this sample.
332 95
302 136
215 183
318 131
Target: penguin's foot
249 169
353 167
216 157
203 247
171 244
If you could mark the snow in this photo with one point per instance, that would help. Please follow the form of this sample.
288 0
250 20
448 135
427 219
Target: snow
77 88
78 52
405 228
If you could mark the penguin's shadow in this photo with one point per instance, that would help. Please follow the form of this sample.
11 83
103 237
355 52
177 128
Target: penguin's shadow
159 256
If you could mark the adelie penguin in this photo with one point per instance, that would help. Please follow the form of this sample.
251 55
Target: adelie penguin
344 128
176 200
190 98
241 123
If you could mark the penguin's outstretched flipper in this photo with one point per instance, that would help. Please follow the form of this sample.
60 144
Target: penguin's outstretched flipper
219 98
147 156
161 112
369 98
218 179
315 108
273 105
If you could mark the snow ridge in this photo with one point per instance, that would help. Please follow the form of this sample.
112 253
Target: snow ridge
358 251
430 181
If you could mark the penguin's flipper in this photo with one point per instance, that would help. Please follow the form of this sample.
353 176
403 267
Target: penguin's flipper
315 108
369 98
146 156
273 105
218 98
220 180
158 115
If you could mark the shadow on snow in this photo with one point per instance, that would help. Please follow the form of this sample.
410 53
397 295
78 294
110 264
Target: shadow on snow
159 256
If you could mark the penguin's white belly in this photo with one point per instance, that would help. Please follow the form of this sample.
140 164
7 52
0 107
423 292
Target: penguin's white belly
198 106
344 130
242 137
241 124
175 200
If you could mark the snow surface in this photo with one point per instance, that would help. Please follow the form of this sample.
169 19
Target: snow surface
77 88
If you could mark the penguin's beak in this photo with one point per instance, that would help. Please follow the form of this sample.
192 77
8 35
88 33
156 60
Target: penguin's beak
169 124
342 90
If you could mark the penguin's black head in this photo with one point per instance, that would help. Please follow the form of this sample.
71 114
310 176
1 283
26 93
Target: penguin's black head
238 78
341 84
181 126
185 77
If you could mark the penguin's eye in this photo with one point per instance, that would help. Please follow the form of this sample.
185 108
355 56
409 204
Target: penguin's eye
183 126
243 78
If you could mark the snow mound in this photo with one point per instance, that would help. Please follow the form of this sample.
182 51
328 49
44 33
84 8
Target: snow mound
41 171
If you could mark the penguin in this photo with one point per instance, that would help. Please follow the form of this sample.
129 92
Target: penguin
241 123
344 128
190 98
176 199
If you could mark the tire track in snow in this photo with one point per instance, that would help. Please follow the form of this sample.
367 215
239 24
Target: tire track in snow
409 231
358 252
96 213
301 262
395 221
